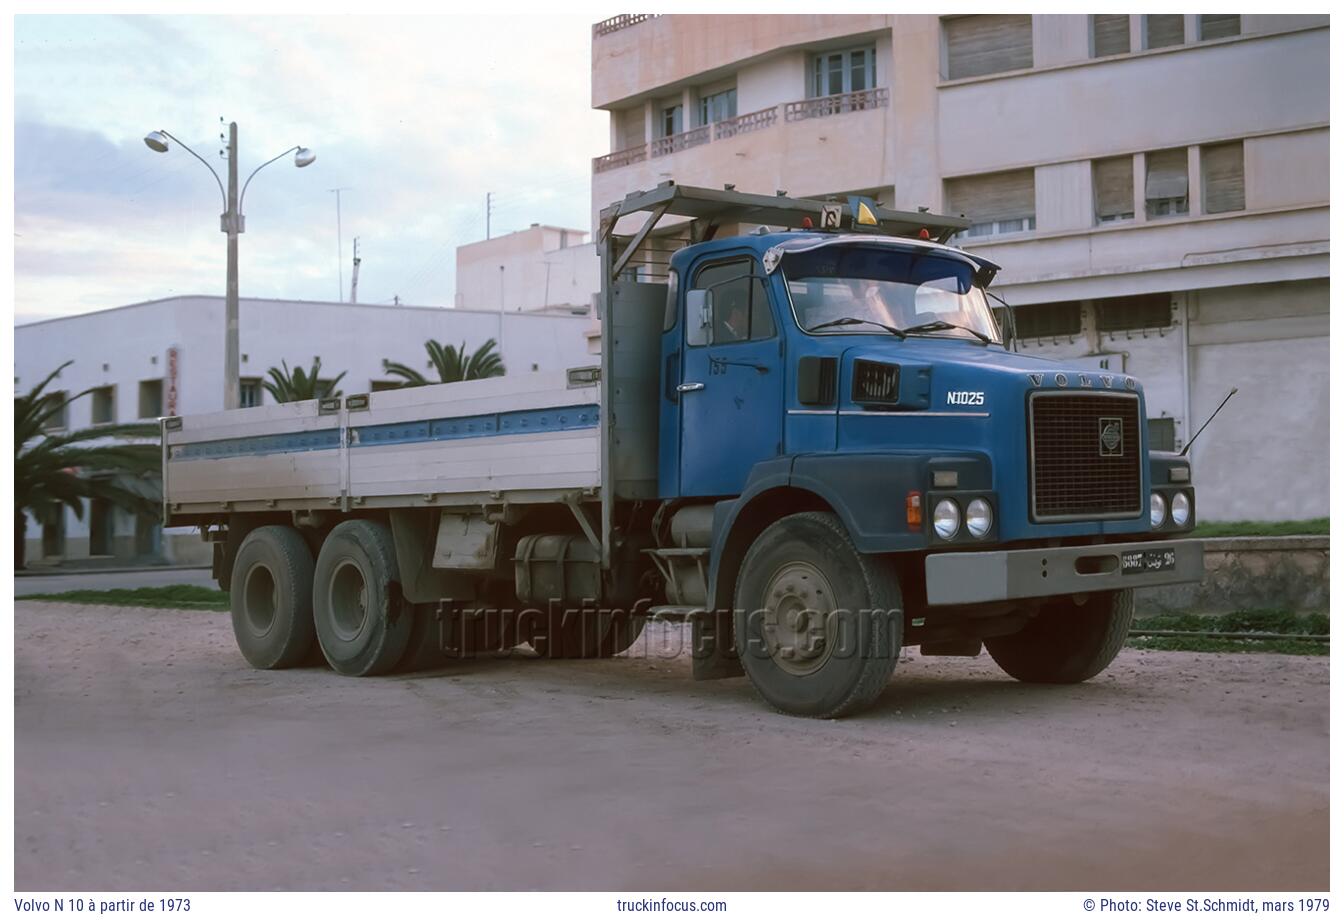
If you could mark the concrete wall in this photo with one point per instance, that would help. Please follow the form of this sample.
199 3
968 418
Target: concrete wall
1249 573
535 269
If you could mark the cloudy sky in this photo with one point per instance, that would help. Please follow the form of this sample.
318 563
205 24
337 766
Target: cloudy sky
417 117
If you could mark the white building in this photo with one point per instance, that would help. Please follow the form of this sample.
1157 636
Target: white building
166 357
540 268
1155 186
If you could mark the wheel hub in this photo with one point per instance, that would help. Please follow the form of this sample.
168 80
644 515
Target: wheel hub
798 622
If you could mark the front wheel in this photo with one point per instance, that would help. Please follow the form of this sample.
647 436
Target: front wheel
1067 643
818 623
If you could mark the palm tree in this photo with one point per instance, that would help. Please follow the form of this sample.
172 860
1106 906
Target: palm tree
452 364
293 386
48 467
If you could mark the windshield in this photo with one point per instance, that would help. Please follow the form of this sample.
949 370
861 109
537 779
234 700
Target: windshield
893 287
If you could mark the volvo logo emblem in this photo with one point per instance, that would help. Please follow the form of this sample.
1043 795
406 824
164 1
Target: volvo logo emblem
1111 437
1061 380
1036 379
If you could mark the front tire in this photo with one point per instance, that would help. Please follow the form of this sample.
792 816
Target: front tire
271 598
1067 643
363 623
818 623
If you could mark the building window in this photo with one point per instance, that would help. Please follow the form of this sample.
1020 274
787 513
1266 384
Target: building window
104 405
997 203
1162 434
151 399
849 71
1141 311
1164 31
671 120
1220 26
53 534
59 419
1113 188
1110 35
719 106
1166 190
1047 320
980 45
249 392
1223 172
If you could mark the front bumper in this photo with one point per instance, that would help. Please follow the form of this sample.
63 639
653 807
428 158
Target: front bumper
974 578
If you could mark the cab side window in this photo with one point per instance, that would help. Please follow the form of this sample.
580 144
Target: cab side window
741 306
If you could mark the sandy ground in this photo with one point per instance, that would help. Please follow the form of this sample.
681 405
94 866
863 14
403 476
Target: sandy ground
148 756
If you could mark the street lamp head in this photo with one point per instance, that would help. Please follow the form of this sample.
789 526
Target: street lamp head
157 141
302 157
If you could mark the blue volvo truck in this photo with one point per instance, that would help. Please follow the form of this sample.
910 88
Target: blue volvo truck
810 435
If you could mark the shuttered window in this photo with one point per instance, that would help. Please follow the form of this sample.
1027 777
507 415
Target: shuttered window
979 45
1165 30
1167 185
1113 188
1141 311
997 203
1224 175
1110 35
1046 320
1220 26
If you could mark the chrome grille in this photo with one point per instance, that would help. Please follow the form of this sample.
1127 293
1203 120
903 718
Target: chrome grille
1078 470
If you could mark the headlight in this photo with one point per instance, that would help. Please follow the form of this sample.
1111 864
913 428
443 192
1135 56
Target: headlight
1157 510
946 519
979 517
1180 509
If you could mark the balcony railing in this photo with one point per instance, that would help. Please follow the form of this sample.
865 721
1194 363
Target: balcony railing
620 158
838 104
662 146
617 23
742 124
752 121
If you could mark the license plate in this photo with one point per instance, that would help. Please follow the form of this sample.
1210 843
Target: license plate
1148 560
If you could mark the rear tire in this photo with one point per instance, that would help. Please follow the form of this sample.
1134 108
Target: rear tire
818 623
363 623
271 598
1067 643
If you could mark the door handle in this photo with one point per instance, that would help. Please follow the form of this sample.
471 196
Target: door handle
689 387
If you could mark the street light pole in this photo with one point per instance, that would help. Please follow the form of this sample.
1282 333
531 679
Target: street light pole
231 222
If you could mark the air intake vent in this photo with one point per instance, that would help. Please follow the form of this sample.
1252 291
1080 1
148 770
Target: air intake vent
876 384
816 381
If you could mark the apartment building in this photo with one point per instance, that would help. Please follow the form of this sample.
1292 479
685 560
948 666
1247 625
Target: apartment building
1155 186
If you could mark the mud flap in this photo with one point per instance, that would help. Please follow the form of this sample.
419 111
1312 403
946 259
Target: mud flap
713 652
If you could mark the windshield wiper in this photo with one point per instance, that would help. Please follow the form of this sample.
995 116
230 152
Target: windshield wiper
938 325
854 321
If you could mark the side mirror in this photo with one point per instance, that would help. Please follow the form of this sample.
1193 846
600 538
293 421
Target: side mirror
699 316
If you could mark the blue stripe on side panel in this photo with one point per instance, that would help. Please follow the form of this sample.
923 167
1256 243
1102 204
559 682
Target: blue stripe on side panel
527 421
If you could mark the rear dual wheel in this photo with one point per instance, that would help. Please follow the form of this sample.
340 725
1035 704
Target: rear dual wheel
271 597
361 620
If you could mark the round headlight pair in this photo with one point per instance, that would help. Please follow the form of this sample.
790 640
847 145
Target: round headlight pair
1180 509
947 518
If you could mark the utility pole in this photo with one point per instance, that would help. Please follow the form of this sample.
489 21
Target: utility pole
354 275
231 222
488 208
340 249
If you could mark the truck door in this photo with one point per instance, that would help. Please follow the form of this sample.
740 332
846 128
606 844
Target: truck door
731 381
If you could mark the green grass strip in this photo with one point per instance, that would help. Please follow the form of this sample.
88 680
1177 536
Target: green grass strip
176 597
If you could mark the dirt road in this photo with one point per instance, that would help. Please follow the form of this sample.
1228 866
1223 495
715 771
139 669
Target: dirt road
148 756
